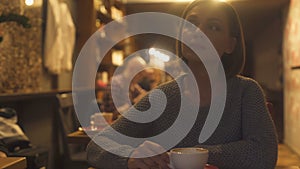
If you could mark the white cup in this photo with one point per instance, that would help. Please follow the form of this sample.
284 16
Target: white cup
97 120
188 158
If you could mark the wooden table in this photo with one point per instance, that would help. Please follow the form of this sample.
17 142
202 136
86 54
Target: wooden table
287 167
78 137
13 163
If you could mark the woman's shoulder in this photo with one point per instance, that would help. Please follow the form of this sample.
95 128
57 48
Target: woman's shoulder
245 83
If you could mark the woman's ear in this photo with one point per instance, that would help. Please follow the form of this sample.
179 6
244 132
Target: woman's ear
231 45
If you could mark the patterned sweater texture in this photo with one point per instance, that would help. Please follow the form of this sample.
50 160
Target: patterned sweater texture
244 139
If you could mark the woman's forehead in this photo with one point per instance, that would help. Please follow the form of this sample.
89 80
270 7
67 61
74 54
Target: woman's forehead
210 11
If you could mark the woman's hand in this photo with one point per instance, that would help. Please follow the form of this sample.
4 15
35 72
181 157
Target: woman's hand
160 161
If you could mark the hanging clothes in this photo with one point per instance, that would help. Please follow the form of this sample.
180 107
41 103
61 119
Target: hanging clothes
60 38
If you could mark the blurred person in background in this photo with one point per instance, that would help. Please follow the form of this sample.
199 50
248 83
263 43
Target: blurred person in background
139 86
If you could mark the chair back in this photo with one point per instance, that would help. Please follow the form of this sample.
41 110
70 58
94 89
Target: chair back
68 123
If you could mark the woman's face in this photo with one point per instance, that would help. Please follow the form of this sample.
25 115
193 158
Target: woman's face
214 23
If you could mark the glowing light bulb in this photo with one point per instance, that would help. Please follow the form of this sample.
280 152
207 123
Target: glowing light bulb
29 2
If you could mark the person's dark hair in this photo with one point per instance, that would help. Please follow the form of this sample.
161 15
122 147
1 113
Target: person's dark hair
233 63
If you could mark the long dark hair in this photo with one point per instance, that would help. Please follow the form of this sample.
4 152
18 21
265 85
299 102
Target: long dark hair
233 63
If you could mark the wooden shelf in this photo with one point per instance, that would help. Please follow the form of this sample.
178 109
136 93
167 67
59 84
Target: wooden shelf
30 95
295 67
34 95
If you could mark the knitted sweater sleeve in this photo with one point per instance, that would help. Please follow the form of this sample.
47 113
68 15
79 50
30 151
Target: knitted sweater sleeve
258 147
103 159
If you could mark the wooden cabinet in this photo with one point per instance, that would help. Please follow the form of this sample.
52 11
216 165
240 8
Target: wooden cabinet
91 15
106 12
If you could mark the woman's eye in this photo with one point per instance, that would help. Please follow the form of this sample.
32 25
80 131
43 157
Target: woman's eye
214 27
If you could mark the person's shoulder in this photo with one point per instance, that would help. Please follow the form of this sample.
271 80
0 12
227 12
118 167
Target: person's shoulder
247 83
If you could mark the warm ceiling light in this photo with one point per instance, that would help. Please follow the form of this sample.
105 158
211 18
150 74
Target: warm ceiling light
183 0
154 1
29 2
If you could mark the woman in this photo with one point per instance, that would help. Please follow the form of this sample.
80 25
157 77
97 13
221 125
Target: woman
245 137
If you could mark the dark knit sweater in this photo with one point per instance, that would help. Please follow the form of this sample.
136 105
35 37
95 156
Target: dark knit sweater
244 139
